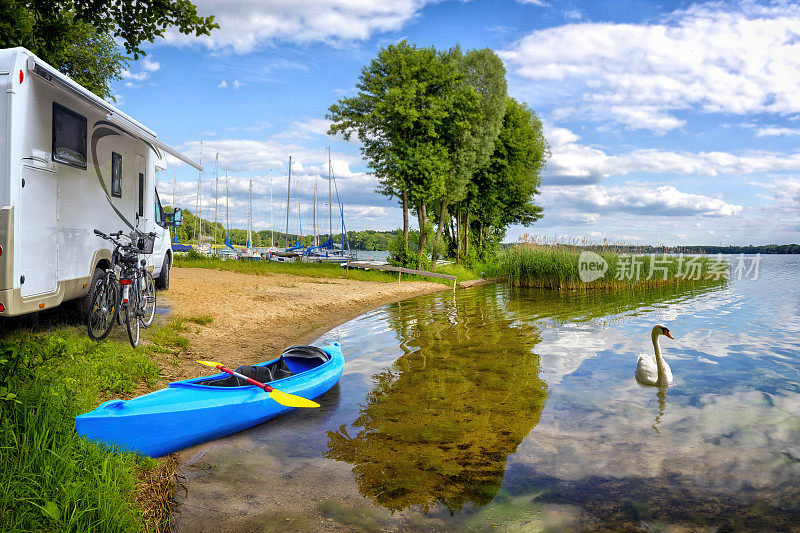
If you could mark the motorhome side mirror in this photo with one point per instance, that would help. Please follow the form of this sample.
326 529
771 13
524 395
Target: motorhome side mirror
177 218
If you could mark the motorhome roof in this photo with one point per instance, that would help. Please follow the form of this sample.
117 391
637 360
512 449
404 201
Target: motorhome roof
113 115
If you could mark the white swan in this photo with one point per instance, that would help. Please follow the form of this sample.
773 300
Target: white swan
652 369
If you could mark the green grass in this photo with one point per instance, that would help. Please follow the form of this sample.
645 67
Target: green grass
202 320
321 270
54 480
556 267
266 268
167 338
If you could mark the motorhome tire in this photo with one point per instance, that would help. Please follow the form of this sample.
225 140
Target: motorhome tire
162 281
86 302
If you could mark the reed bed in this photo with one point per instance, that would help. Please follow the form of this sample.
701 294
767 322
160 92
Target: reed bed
561 266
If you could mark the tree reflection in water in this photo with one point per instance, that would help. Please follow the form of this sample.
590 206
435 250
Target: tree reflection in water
438 425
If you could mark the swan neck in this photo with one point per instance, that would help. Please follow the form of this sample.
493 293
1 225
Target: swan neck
660 363
657 347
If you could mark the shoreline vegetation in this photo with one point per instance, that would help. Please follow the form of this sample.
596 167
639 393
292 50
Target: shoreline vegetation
321 270
61 481
573 267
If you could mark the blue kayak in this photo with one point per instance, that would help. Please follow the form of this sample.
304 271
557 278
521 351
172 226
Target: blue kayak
197 410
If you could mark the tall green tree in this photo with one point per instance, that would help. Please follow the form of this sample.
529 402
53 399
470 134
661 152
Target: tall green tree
408 98
78 36
503 192
475 129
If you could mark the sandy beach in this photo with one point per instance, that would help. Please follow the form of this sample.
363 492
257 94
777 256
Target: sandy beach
254 317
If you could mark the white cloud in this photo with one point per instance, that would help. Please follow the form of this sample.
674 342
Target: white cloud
224 84
574 163
136 76
304 129
150 66
541 3
247 24
635 198
710 58
770 131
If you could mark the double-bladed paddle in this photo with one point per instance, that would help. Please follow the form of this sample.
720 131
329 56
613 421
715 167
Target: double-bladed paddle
283 398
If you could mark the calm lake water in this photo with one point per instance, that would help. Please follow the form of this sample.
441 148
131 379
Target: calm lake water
517 410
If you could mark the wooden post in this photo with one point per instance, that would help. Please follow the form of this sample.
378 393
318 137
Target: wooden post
347 270
399 273
454 285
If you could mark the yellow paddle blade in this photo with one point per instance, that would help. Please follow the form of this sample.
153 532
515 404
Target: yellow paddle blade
210 363
291 400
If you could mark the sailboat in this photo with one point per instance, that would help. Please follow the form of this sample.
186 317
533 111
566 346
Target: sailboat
229 252
290 253
203 243
330 251
250 252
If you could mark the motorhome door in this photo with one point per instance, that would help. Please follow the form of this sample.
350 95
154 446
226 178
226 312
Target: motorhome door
145 216
38 220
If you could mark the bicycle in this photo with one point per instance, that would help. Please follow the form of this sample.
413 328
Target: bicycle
138 298
113 298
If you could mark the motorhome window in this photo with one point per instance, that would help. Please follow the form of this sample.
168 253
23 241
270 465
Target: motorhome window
159 211
141 194
69 137
116 175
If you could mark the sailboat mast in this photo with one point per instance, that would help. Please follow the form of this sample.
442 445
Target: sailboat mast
197 218
173 229
316 240
250 219
330 200
271 219
227 198
216 196
288 196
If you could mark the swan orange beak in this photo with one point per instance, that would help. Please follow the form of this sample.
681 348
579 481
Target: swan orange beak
668 334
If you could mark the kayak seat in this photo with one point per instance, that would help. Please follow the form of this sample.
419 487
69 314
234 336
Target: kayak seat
293 361
301 358
264 374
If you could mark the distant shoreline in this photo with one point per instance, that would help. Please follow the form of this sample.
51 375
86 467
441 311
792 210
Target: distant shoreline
766 249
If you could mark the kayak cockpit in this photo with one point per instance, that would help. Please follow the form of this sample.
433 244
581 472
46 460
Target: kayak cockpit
293 360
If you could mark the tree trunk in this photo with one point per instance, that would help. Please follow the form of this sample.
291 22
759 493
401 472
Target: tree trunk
405 217
421 217
466 236
480 239
438 238
458 235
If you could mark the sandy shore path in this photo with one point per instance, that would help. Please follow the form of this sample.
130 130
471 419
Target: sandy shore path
256 316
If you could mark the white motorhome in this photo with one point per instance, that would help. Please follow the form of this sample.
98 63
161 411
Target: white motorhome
69 163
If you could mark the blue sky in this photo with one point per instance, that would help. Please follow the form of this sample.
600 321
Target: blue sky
669 122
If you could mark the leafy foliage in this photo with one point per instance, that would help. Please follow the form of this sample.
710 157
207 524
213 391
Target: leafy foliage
411 107
502 192
78 36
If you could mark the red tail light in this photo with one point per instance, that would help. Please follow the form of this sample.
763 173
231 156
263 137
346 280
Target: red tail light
2 308
124 281
1 249
21 76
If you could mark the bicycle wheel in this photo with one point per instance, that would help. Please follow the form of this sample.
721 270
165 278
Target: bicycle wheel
103 309
148 300
131 320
